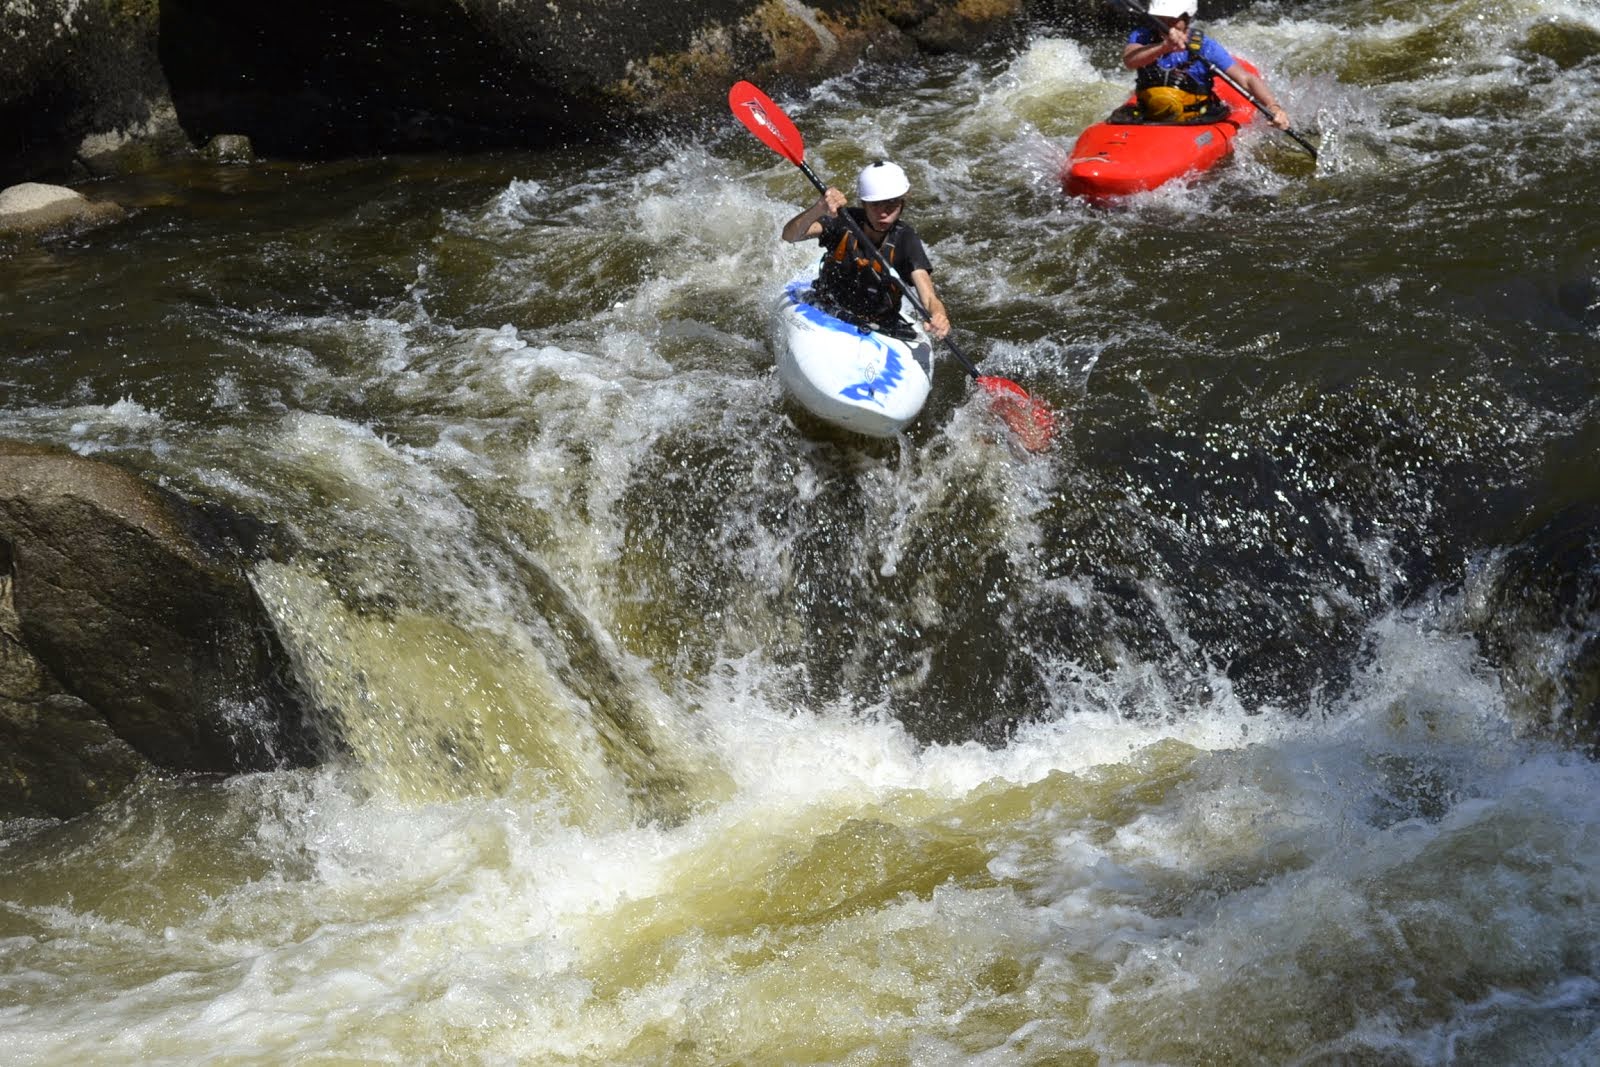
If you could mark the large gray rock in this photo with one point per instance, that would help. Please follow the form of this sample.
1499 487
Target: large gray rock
99 82
58 757
82 91
130 637
376 75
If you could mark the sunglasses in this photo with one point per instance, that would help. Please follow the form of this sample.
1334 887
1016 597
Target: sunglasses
885 205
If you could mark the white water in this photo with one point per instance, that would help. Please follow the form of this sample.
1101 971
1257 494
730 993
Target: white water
613 824
1396 872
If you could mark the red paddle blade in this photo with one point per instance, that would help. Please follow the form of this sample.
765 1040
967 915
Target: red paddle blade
767 121
1031 420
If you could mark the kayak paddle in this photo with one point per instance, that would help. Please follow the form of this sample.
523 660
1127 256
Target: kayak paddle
1161 28
1030 419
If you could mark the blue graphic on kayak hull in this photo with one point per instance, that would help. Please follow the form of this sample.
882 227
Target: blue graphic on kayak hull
894 371
854 378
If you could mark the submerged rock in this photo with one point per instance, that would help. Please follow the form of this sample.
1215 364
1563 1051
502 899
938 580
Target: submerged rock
130 639
1536 609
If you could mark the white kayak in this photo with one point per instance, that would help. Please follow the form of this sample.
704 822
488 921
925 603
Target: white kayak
870 383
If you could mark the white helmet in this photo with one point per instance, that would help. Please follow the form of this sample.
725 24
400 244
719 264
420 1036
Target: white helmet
881 181
1171 9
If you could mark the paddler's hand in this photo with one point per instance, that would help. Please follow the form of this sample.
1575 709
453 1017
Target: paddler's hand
939 325
808 224
1280 117
1177 40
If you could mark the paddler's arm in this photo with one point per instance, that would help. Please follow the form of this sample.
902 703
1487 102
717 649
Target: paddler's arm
1257 88
807 225
1136 55
938 321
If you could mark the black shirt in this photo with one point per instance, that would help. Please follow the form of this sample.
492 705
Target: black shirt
853 281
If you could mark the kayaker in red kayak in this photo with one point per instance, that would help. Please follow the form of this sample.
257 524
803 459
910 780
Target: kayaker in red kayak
1175 82
851 278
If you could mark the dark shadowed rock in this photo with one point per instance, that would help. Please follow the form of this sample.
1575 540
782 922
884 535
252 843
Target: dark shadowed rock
130 637
96 86
229 148
1536 609
82 92
304 78
58 757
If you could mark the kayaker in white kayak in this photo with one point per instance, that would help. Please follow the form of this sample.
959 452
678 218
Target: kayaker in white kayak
852 281
1174 82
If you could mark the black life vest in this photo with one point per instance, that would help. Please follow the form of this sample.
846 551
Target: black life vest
857 281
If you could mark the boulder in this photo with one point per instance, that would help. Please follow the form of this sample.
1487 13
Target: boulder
130 639
301 78
82 91
229 148
58 757
90 87
33 208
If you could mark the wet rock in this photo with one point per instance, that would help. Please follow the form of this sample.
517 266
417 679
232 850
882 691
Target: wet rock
1536 609
107 85
82 91
229 148
33 209
57 756
1565 43
130 638
139 146
372 75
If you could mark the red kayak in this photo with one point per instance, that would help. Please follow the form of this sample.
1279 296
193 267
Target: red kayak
1116 158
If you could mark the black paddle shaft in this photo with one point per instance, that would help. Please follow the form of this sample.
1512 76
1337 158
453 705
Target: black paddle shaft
866 242
1161 28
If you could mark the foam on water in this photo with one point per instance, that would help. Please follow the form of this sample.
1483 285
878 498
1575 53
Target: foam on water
1169 885
562 834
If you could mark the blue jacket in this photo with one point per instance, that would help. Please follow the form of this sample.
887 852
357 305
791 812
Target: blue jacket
1178 69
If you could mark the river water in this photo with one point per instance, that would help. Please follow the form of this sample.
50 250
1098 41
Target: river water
684 730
